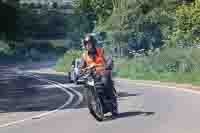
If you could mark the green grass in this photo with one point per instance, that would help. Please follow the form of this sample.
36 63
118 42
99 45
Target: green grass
172 65
192 78
64 63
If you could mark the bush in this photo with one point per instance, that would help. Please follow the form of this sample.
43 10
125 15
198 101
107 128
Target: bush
187 25
179 65
64 63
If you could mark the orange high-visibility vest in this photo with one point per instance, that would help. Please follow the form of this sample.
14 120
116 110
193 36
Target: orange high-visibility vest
99 60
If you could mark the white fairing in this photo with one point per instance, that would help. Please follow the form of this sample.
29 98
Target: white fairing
91 83
76 70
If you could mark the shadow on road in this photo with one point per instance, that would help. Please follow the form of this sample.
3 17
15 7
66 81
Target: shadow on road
26 94
126 94
129 114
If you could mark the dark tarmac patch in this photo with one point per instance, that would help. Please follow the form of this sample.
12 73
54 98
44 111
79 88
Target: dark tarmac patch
27 94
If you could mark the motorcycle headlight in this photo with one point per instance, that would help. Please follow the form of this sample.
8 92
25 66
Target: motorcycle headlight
91 82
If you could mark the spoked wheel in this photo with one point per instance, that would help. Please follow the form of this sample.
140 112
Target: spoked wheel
95 106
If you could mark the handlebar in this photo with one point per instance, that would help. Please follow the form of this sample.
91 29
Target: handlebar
88 69
91 67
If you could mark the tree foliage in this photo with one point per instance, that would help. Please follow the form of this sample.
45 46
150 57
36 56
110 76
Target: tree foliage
103 9
8 16
96 10
143 23
186 31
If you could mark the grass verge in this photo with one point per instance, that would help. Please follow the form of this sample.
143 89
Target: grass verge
172 65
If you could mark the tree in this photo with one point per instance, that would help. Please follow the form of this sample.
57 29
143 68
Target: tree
149 22
103 9
32 5
84 9
55 5
97 11
8 15
187 26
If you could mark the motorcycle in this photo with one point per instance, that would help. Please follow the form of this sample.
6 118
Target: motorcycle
98 103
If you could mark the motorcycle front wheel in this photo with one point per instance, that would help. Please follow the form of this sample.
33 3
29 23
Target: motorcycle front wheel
95 105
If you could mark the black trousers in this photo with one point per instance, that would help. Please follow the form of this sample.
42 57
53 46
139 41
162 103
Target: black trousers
106 79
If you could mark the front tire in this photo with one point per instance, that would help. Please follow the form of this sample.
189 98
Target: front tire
95 106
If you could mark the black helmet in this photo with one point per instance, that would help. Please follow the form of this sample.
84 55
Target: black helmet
90 38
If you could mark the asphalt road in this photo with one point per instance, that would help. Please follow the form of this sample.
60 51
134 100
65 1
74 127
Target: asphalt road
45 103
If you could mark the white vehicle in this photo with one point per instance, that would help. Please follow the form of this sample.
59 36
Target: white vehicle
73 75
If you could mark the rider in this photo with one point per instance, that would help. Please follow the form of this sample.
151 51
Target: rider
95 56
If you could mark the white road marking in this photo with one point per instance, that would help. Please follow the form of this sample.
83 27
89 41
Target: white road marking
43 114
164 86
80 96
170 87
58 86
